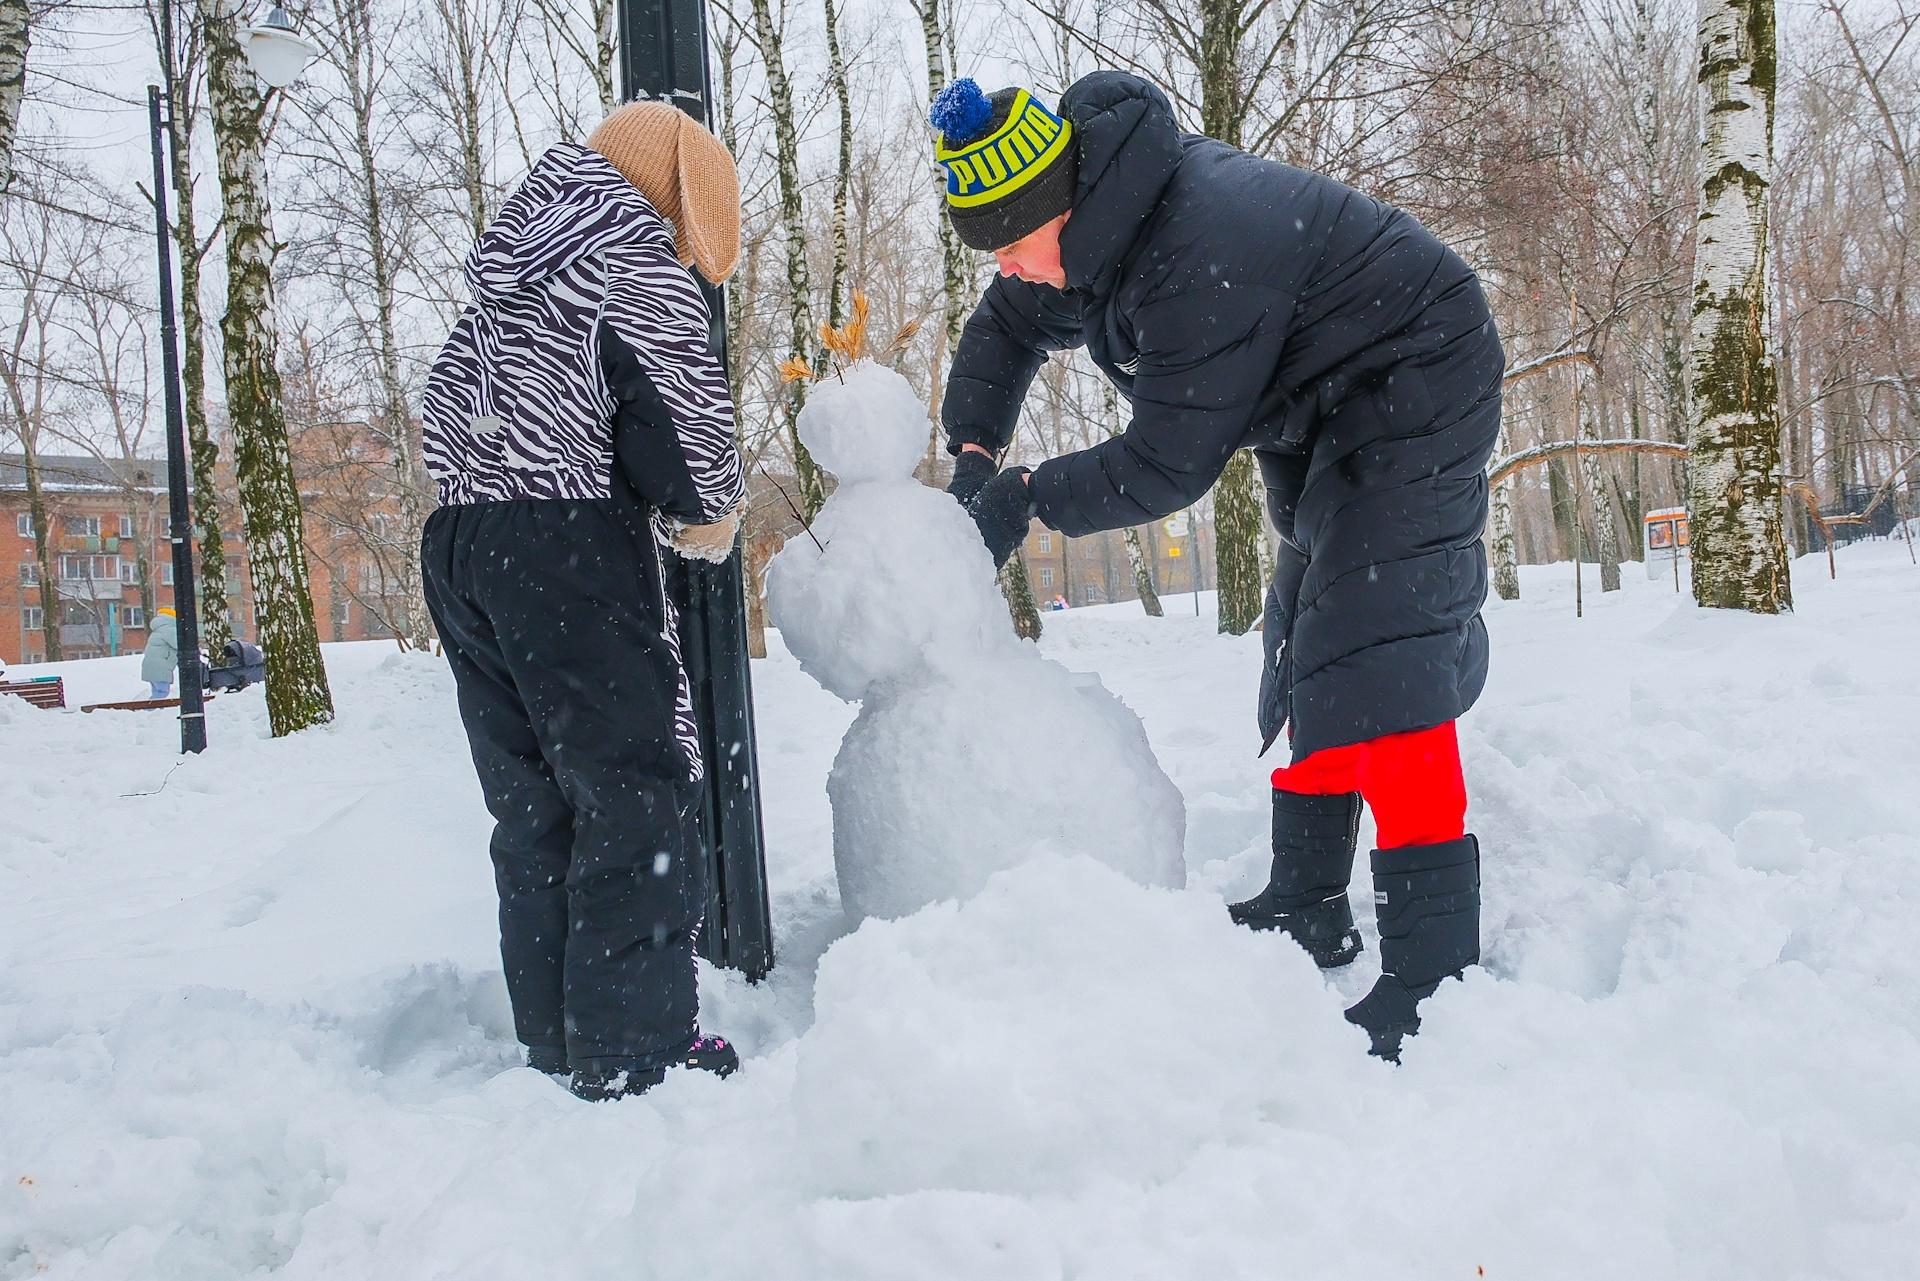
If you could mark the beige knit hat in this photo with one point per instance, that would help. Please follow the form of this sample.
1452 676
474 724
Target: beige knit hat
685 173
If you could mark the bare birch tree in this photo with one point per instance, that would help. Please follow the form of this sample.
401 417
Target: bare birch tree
297 691
1138 561
16 34
35 284
786 135
842 169
365 254
586 30
1735 486
955 276
107 323
190 253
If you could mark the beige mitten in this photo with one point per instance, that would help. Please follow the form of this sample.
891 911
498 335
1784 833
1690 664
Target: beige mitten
712 543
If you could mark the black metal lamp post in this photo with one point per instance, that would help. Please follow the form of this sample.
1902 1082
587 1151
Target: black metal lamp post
663 54
193 716
277 56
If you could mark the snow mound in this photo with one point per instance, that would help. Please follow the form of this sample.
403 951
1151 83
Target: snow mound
252 1021
1027 1043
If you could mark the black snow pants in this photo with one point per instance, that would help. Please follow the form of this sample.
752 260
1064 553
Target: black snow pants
553 618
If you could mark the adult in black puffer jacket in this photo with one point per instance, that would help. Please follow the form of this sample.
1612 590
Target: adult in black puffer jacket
1240 303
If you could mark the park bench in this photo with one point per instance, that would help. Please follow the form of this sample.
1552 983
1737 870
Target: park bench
41 691
137 704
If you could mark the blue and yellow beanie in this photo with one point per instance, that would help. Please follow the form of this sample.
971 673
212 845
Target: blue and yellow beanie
1009 162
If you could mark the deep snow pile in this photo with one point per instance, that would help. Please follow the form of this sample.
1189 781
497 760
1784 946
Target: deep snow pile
252 1024
889 600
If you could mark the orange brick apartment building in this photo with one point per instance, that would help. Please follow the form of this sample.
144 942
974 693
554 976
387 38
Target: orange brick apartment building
104 515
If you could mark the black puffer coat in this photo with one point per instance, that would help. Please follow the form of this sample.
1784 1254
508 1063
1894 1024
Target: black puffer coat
1242 303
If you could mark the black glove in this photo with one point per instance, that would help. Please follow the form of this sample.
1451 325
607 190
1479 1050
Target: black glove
971 471
1003 509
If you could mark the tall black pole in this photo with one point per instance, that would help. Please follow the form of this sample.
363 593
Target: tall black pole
663 55
193 716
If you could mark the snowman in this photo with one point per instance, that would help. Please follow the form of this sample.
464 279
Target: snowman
891 603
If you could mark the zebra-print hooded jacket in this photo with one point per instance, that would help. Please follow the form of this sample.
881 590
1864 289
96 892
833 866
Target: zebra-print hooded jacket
586 344
587 347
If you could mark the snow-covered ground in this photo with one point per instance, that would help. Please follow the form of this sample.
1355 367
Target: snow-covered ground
251 1021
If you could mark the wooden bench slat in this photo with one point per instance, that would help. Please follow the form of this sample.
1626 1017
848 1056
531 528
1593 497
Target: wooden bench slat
137 704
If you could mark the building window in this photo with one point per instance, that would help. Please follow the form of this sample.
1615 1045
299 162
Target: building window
94 569
129 571
136 617
1092 594
33 618
30 574
24 523
1043 541
166 573
1046 577
82 526
342 614
126 526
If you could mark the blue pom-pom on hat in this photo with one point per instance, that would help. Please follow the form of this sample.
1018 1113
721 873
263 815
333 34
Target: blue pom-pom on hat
960 112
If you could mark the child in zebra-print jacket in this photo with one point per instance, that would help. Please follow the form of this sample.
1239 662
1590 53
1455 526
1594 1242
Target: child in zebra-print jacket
579 424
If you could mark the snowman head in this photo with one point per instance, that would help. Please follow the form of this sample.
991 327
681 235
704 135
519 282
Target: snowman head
865 425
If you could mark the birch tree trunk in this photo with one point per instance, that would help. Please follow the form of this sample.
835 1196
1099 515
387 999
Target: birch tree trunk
953 255
594 48
1142 574
1734 485
27 372
16 32
459 98
210 569
297 692
843 172
1237 495
1137 558
605 48
1236 545
1506 563
1606 529
42 548
740 296
1018 589
793 218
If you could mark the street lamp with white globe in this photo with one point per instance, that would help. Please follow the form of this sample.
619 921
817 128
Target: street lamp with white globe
277 55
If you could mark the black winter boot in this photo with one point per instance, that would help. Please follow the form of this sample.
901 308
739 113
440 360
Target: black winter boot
1427 898
551 1059
707 1053
1306 895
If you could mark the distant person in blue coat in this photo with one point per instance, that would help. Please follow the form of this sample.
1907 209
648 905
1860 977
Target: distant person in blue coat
157 660
1241 303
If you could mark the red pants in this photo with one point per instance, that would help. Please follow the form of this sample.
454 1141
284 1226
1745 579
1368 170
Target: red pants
1411 782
